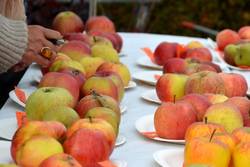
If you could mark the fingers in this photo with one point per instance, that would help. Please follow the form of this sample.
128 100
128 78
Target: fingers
51 34
31 56
48 44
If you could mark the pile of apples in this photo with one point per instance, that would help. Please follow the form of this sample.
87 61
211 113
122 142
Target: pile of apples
235 45
73 117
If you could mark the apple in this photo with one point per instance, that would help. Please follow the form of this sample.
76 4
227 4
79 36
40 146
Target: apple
100 23
199 102
46 98
215 98
215 66
235 84
45 146
62 80
230 53
63 114
67 22
225 114
226 37
171 120
106 114
203 150
78 75
242 134
243 104
241 154
101 85
198 67
204 82
91 64
75 49
202 129
175 65
32 128
118 68
97 100
242 57
60 160
170 87
116 80
227 139
194 44
95 124
78 37
202 54
87 146
165 51
106 52
244 32
96 40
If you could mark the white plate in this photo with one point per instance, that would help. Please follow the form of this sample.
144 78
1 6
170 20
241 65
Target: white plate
146 62
147 76
120 140
123 109
119 163
5 152
8 127
131 84
170 157
151 96
146 124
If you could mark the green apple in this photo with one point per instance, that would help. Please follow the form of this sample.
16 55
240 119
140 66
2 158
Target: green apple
94 40
230 53
45 98
106 52
90 64
63 114
243 58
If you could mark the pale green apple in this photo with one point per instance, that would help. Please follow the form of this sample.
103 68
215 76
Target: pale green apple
243 58
106 52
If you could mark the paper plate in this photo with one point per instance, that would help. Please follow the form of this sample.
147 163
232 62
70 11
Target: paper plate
8 127
146 124
123 109
146 62
151 96
131 84
5 152
148 77
170 157
120 140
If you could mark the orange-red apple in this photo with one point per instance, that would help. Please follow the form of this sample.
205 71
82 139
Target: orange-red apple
165 51
201 54
175 65
226 37
100 23
244 32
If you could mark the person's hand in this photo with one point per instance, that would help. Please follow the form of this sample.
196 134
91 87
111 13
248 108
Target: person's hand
37 39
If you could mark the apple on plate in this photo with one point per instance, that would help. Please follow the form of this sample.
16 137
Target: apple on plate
242 134
60 160
97 100
194 44
198 67
78 37
91 64
244 32
67 22
170 87
226 37
215 98
78 75
175 65
201 54
46 98
171 120
241 155
100 23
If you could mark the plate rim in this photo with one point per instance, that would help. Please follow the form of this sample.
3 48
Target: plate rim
150 82
10 120
144 96
153 66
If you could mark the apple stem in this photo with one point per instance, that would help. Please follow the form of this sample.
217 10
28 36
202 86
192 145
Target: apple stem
212 135
90 119
94 93
205 120
94 38
174 98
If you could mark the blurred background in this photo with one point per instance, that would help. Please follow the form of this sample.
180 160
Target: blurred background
152 16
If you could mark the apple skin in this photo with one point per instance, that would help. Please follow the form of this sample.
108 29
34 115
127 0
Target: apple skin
201 150
241 154
230 52
75 49
201 54
118 68
199 102
216 98
171 120
46 98
78 75
165 51
235 84
202 129
101 85
243 104
215 66
77 37
175 65
91 64
226 37
62 80
32 128
96 100
45 146
242 134
244 32
95 124
170 87
105 114
194 44
60 160
225 114
67 22
204 82
87 146
100 23
198 67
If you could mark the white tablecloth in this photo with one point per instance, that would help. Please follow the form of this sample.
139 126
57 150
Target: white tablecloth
137 151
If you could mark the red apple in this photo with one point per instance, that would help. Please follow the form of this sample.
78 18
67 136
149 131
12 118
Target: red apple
78 37
171 120
175 65
202 54
100 23
165 51
242 134
226 37
67 22
78 75
244 32
198 67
